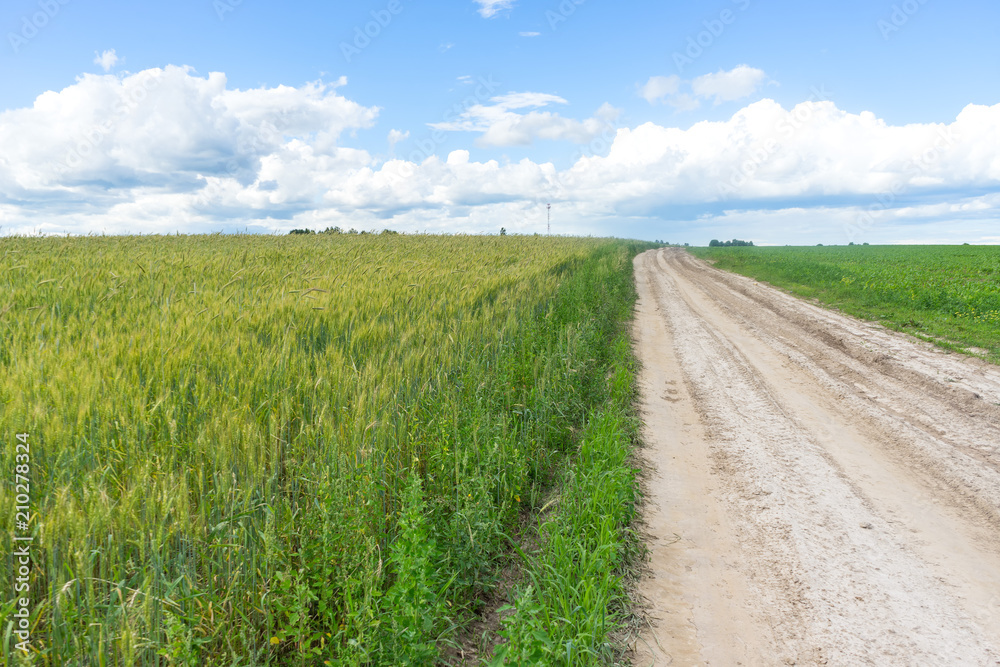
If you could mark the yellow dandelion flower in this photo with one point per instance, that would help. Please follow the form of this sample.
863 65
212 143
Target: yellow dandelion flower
275 640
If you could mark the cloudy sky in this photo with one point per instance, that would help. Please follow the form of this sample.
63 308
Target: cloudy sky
781 122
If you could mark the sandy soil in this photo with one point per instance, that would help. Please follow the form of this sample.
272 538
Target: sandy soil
821 491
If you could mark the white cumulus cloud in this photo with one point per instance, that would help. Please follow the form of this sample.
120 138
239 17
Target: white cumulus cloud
501 122
659 87
106 60
490 8
722 86
396 136
167 150
737 83
166 133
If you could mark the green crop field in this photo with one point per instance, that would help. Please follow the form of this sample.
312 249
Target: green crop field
949 295
311 449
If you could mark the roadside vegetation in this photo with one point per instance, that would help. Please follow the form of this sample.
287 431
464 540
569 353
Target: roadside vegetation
317 449
574 597
949 295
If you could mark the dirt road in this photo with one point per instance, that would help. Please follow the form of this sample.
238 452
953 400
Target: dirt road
820 490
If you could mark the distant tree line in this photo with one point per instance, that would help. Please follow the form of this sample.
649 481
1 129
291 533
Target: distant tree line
338 230
735 243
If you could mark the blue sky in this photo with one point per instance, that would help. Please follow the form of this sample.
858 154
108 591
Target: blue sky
776 121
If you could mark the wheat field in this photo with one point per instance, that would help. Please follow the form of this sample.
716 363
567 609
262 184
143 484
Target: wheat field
278 450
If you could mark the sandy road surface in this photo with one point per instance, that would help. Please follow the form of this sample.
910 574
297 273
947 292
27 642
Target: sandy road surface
820 491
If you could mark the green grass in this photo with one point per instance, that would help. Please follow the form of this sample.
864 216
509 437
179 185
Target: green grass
949 295
300 450
575 593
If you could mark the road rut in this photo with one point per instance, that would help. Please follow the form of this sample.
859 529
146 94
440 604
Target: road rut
820 490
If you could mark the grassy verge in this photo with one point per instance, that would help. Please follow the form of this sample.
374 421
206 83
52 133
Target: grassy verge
948 295
574 595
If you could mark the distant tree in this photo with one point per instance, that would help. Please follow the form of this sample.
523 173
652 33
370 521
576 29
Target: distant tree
851 243
302 231
503 232
333 230
714 243
864 244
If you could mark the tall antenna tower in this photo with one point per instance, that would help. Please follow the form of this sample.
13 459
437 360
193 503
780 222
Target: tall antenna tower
548 210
